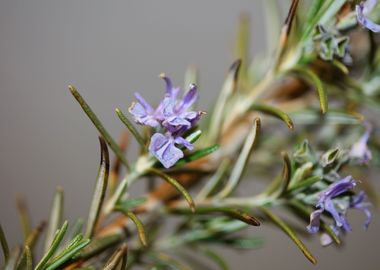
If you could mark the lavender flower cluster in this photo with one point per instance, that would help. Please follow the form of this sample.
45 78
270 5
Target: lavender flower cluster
338 197
171 119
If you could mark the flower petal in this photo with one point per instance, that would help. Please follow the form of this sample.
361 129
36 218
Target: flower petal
361 11
315 221
163 148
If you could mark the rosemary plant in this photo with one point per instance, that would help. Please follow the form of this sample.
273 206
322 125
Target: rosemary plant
316 83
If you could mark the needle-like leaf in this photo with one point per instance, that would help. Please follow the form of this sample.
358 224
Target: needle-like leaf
100 189
242 161
4 244
55 220
287 230
116 258
273 111
53 247
197 155
23 216
313 79
137 222
131 128
229 87
175 184
95 120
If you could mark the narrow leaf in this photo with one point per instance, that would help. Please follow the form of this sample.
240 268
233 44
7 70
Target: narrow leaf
53 247
197 155
29 259
287 230
216 258
95 120
13 258
214 181
138 223
57 263
193 137
34 235
116 258
131 128
228 89
100 244
4 244
242 161
23 216
304 183
273 111
175 184
233 213
242 44
314 80
55 219
100 189
286 173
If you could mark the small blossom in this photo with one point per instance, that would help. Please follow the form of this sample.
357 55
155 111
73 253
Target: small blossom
338 208
360 149
172 118
325 203
164 148
362 10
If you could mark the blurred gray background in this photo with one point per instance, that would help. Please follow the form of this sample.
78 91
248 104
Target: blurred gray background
108 50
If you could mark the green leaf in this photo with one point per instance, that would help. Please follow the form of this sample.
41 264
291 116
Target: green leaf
197 155
311 117
286 174
29 259
99 126
53 247
287 230
130 204
100 244
116 258
55 219
230 212
304 183
215 180
100 189
131 128
193 137
67 254
175 184
168 261
242 161
242 44
222 264
34 235
137 222
4 244
229 87
23 216
273 111
13 259
330 157
312 78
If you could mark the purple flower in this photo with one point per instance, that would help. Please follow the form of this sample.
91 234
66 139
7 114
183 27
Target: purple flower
329 202
337 210
359 202
360 149
363 9
171 119
164 148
